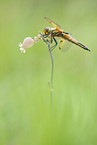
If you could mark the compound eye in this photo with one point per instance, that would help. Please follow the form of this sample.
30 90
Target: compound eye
46 30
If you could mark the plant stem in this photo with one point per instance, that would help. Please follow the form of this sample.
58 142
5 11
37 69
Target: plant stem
51 91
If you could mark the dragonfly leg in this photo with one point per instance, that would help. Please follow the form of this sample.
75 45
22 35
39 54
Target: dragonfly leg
46 41
51 39
55 44
43 38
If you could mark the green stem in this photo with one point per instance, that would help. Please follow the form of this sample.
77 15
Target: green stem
52 72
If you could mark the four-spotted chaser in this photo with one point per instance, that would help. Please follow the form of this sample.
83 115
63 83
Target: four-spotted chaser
57 32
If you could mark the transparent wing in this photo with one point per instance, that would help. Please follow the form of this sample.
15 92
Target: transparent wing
54 24
64 45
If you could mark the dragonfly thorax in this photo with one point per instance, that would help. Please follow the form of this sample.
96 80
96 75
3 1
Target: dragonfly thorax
46 30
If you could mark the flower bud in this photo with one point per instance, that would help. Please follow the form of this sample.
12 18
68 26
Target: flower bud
27 43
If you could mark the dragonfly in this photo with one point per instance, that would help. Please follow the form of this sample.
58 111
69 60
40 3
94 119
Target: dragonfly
56 32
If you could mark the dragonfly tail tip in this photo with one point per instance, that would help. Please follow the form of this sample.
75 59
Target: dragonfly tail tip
88 49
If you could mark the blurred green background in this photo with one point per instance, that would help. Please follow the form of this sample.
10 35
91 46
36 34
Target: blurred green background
24 90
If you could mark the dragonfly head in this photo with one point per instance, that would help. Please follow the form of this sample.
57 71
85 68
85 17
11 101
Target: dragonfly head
46 30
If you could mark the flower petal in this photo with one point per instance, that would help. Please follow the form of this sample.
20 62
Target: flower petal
36 39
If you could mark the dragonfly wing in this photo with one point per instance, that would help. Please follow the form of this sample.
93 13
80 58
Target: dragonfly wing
55 25
64 45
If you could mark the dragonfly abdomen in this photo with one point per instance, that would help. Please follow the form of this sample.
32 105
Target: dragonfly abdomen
82 46
70 39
